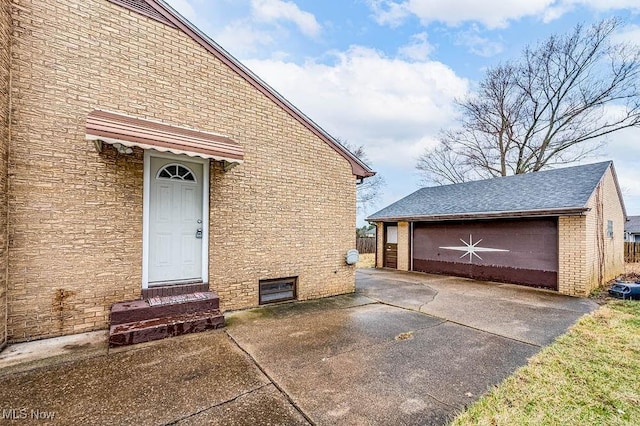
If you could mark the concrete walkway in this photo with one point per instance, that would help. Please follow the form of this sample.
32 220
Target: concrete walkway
405 349
189 380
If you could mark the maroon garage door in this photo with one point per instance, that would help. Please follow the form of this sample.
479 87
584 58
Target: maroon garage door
521 251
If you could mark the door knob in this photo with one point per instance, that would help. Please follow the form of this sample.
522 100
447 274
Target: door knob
199 233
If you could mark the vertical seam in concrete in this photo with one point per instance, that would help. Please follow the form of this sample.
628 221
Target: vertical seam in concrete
286 395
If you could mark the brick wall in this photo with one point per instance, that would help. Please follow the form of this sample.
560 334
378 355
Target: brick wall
588 256
605 255
403 246
76 215
380 244
5 34
572 257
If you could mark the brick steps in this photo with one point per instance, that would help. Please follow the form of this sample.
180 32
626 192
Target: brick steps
156 318
140 310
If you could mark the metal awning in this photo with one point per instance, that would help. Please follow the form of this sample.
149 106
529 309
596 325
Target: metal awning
122 130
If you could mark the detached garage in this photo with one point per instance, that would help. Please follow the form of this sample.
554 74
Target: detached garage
559 229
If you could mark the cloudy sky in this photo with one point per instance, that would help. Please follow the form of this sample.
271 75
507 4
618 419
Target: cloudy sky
384 73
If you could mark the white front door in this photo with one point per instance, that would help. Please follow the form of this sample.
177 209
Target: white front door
175 221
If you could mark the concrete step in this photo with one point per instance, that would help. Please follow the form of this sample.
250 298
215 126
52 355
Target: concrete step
159 328
162 307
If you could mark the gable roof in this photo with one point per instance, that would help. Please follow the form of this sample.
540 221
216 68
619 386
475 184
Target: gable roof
632 225
162 12
545 193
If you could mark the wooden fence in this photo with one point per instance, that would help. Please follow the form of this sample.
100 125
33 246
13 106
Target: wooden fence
366 244
631 252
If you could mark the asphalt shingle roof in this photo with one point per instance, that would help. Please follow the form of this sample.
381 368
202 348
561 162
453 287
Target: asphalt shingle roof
565 188
633 225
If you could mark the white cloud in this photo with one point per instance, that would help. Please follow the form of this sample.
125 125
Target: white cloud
605 5
392 106
184 8
256 28
489 13
481 46
278 10
560 7
629 33
418 48
555 12
386 12
241 38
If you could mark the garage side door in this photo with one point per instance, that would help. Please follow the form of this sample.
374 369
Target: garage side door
391 246
523 251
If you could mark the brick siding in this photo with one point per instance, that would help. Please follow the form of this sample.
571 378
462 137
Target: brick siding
588 256
380 244
605 255
572 256
5 34
76 215
403 246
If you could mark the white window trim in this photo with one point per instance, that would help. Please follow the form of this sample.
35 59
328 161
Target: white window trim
145 210
195 178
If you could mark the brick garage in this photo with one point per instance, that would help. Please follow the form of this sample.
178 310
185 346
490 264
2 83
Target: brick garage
560 229
75 215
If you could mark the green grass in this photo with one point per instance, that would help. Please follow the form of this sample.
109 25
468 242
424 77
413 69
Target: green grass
589 376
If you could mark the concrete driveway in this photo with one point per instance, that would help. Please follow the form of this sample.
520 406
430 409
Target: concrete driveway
404 349
407 348
520 313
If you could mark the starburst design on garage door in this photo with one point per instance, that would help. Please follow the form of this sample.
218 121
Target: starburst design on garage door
471 249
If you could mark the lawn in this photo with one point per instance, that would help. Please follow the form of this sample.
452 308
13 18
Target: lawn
589 376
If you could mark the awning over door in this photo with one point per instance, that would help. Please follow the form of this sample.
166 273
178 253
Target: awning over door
114 129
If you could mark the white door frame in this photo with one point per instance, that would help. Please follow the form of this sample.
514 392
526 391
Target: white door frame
145 210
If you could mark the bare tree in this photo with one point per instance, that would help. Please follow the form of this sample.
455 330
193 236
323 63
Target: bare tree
370 189
552 106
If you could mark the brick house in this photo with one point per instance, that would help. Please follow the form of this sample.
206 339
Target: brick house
632 229
139 159
559 229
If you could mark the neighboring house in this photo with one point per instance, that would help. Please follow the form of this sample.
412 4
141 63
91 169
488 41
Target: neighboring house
370 233
632 229
139 159
561 229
